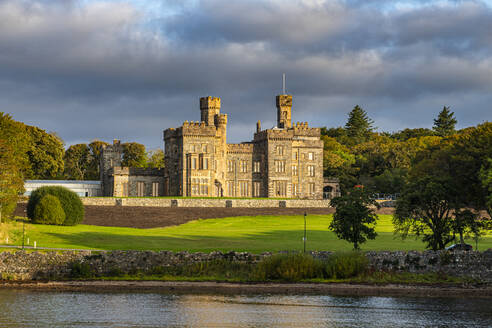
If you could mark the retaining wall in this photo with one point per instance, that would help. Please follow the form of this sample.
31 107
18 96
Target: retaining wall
206 202
21 265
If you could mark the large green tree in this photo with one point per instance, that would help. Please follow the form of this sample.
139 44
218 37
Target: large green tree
14 164
424 209
444 123
77 162
45 154
155 159
11 180
134 155
359 126
354 219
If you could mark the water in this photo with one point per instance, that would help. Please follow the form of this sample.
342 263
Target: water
20 308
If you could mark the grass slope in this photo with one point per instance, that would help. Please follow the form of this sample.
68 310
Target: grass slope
253 234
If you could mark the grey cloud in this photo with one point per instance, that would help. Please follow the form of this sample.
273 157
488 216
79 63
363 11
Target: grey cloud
102 70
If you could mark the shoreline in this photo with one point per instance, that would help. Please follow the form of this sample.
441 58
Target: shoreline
183 287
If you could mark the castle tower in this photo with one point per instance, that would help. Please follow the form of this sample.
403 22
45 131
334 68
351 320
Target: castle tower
284 111
209 107
111 156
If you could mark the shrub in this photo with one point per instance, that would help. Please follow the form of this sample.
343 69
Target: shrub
292 267
49 211
346 265
70 202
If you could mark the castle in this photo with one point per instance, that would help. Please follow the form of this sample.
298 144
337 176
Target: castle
282 162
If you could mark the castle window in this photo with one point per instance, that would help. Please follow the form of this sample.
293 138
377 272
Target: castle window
280 150
311 170
311 188
205 148
310 156
244 188
230 166
203 162
279 166
194 186
140 189
155 189
295 156
204 187
193 163
244 166
230 188
295 189
280 188
294 170
256 167
256 189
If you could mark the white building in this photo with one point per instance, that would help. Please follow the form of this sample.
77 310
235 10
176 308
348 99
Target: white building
81 188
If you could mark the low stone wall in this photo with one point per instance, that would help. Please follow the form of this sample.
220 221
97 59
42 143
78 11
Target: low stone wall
21 265
205 202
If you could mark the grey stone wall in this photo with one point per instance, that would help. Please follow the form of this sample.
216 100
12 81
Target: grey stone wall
21 265
206 202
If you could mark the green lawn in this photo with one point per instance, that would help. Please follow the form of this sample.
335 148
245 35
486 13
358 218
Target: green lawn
253 234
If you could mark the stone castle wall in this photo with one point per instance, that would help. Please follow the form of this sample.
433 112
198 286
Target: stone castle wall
206 202
21 265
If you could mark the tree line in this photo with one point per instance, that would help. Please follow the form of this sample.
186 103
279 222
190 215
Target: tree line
30 153
443 177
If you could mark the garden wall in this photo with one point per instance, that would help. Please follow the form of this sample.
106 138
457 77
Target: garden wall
205 202
21 265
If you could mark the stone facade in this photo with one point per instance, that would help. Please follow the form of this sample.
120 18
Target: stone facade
283 162
121 181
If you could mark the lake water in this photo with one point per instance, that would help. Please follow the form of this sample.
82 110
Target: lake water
25 308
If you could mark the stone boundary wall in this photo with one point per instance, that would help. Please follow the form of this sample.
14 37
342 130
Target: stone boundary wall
205 202
20 265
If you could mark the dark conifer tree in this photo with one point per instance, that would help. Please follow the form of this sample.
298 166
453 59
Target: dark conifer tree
445 123
359 126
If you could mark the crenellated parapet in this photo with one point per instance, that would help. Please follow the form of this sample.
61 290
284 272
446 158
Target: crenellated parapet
302 129
140 171
243 148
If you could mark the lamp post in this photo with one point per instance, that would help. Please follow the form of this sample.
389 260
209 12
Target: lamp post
304 239
23 234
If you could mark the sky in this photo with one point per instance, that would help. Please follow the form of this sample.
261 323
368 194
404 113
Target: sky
92 69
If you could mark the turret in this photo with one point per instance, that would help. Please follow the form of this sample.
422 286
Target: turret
209 107
284 111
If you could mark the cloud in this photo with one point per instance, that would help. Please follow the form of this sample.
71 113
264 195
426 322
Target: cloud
130 69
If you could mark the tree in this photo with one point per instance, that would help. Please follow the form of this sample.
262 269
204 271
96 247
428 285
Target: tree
77 162
424 209
486 178
406 134
354 219
11 180
155 159
45 154
359 126
134 155
95 157
391 181
14 163
445 123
